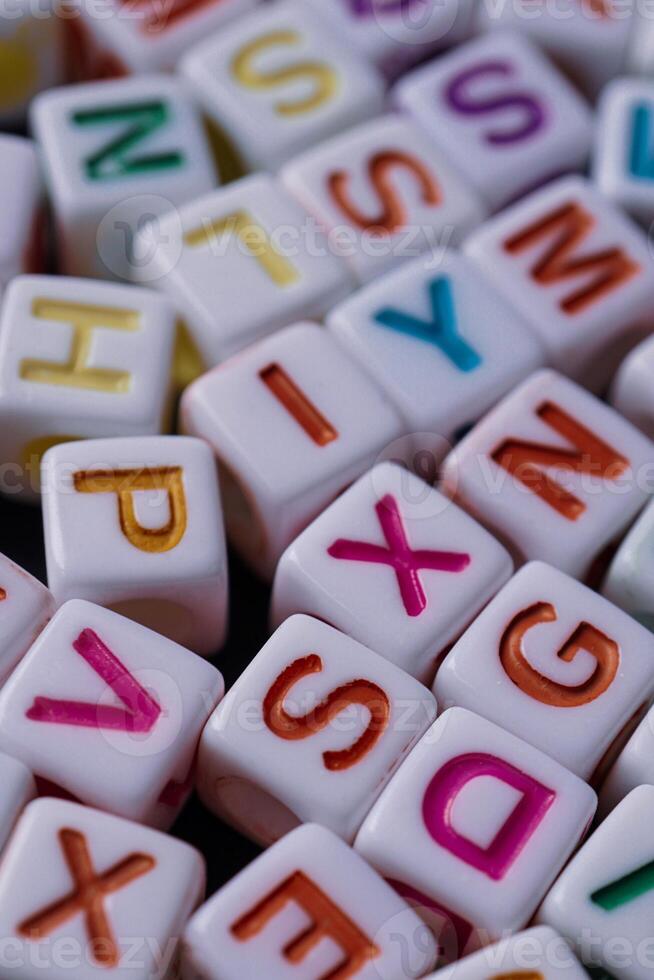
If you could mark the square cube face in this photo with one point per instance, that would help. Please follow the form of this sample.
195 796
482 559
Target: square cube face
33 56
109 711
18 788
440 341
632 392
80 358
395 198
309 906
146 885
21 200
579 272
240 264
606 892
25 608
328 722
118 154
136 525
589 42
395 35
145 37
293 420
622 162
281 80
487 823
633 767
535 954
553 472
629 582
567 669
502 113
395 565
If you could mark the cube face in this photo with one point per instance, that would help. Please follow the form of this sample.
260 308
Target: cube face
328 723
622 166
397 197
578 271
147 885
18 789
632 768
539 953
136 525
439 340
25 608
80 358
21 200
109 711
396 35
145 38
281 80
116 155
605 892
356 923
553 472
630 578
462 101
32 47
487 822
227 264
531 647
292 421
395 565
631 391
589 42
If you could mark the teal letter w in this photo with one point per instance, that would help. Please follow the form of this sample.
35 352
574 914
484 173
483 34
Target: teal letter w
441 331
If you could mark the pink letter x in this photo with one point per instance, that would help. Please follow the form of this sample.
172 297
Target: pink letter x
399 555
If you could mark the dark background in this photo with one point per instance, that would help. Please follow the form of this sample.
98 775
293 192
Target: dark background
226 852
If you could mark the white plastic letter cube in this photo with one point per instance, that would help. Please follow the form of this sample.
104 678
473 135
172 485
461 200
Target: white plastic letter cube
623 164
26 606
567 669
629 582
312 731
293 420
110 712
22 215
632 768
395 565
308 907
18 788
136 525
553 472
632 391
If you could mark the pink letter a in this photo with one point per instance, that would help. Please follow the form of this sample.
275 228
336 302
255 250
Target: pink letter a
512 836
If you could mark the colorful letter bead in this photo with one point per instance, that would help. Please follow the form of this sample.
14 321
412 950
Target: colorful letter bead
312 731
136 525
21 208
79 358
396 34
308 907
385 192
588 39
536 954
292 421
116 155
502 113
87 895
280 80
18 789
623 164
240 264
629 582
395 565
577 269
487 822
632 768
110 712
25 608
632 391
147 36
32 56
603 901
553 472
567 669
439 340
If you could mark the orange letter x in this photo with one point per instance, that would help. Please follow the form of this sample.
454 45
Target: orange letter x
88 896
